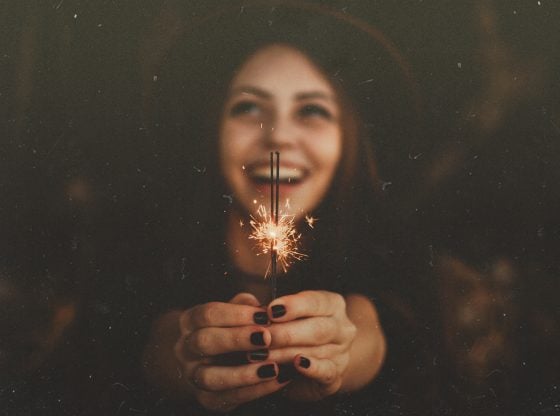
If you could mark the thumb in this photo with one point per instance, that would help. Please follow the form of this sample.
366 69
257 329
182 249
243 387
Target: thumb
245 299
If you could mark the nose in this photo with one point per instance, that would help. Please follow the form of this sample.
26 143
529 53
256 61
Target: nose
282 133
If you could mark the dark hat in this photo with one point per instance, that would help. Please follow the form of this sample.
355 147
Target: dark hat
200 54
189 61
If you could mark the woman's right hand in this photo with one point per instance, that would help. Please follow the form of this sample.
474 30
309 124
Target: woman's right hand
212 329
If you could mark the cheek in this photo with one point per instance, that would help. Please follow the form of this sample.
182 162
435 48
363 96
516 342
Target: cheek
330 151
235 141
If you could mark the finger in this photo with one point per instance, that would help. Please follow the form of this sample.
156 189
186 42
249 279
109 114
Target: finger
323 371
245 299
213 341
303 332
287 355
305 304
258 355
224 315
218 378
227 400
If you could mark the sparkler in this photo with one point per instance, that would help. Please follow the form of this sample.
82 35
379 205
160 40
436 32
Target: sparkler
274 232
274 183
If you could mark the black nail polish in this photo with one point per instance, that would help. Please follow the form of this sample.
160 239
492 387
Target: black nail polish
266 371
259 355
304 362
260 318
278 311
286 372
257 338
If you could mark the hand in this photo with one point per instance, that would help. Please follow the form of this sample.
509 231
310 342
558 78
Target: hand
311 329
212 329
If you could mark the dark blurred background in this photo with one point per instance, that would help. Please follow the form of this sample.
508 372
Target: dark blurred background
90 198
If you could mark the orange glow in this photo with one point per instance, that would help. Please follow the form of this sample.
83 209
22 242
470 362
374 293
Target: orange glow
281 237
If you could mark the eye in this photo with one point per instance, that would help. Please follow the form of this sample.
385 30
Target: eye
314 110
244 107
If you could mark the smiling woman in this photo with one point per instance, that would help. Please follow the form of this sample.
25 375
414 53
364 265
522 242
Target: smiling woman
278 101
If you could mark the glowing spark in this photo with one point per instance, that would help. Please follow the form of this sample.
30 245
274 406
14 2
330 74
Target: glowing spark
254 201
243 167
287 203
310 221
241 223
281 237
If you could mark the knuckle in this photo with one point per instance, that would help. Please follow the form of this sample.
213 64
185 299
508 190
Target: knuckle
242 315
235 314
331 375
203 380
184 325
208 313
286 337
313 302
339 301
237 342
196 316
200 342
350 330
323 330
179 349
305 294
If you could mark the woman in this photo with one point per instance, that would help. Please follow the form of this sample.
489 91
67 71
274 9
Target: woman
278 101
320 337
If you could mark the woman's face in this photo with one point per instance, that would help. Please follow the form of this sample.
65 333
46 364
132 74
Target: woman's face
280 101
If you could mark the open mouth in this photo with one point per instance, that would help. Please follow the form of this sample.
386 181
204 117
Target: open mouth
287 175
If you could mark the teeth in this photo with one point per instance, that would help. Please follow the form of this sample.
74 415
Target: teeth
284 174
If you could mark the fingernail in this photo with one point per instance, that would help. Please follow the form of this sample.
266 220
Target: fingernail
278 311
259 355
286 372
257 338
260 318
304 362
266 371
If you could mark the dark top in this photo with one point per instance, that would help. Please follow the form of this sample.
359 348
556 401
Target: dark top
194 278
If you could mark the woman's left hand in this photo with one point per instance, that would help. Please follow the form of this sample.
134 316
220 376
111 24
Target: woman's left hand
312 330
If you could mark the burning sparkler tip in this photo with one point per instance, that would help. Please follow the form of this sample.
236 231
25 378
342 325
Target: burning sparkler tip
280 239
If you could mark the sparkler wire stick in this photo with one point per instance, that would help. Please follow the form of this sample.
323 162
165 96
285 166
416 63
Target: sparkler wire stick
274 196
277 187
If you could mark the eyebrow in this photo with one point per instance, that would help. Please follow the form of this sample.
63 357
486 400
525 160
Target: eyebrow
314 94
251 90
267 96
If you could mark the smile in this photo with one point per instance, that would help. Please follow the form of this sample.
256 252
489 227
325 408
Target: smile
287 174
